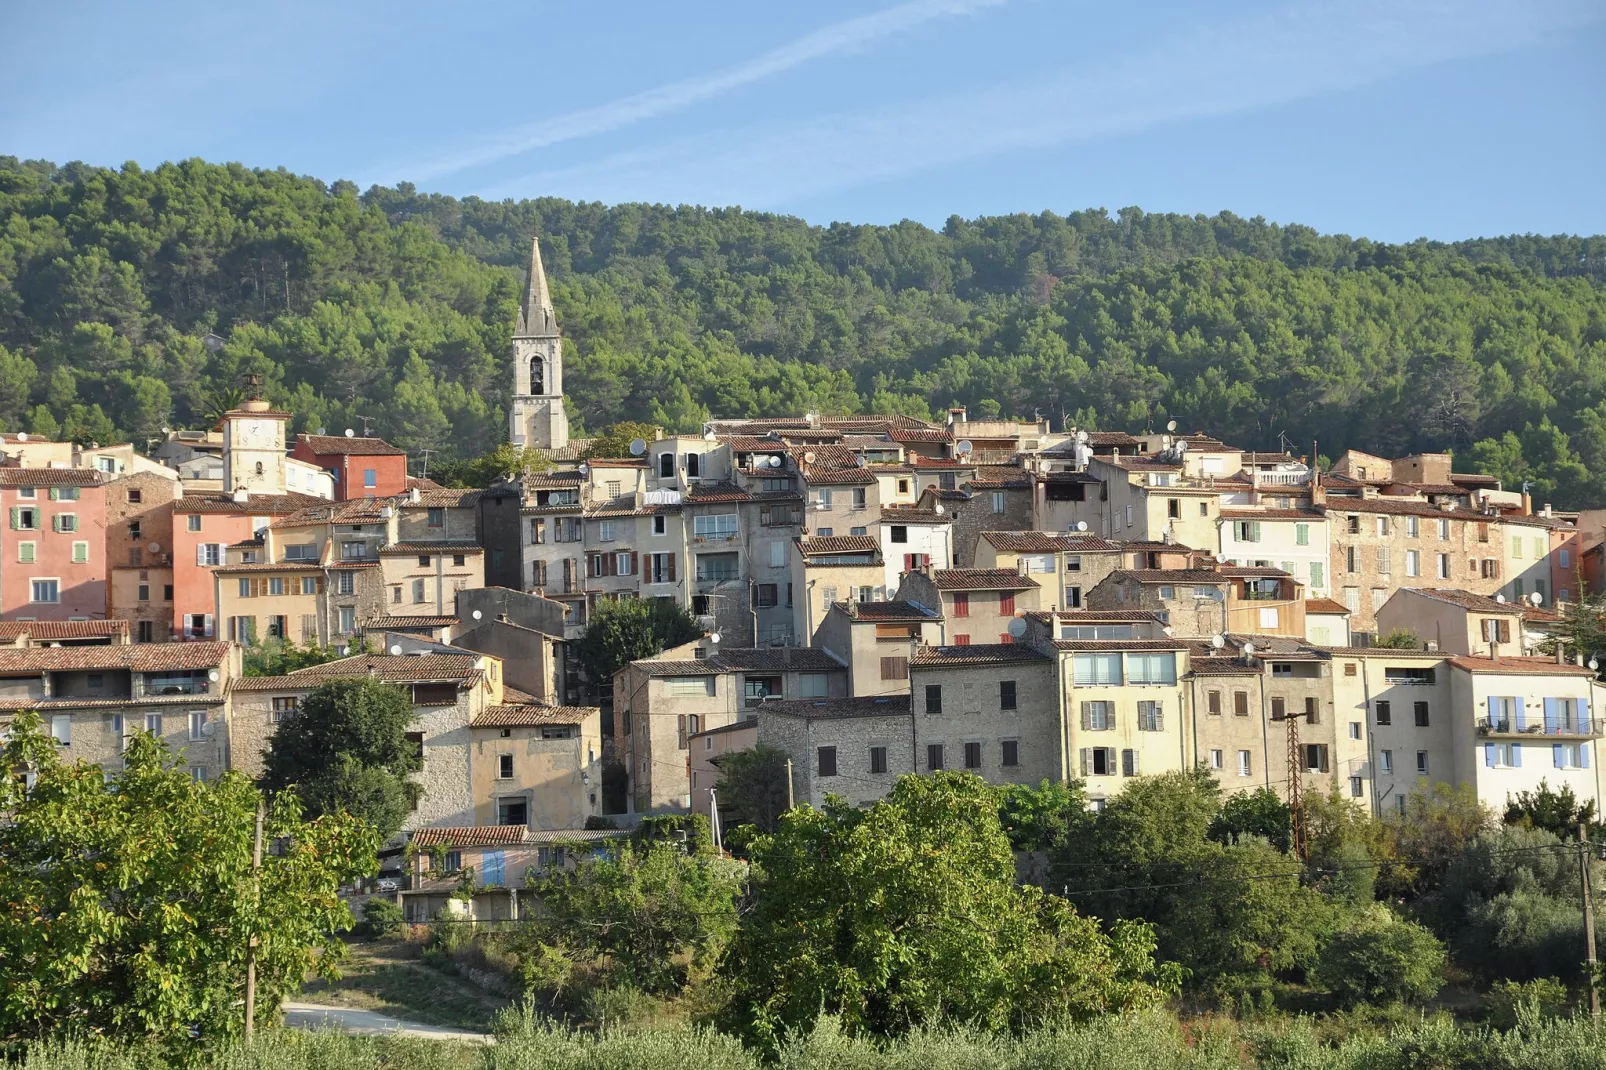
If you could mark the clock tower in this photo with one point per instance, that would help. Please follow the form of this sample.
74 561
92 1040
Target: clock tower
537 417
253 445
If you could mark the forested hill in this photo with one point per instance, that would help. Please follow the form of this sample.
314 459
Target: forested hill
398 306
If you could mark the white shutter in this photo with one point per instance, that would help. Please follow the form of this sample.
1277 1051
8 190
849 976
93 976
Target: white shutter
200 553
209 625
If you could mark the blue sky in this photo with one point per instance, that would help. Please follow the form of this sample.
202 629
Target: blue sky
1387 118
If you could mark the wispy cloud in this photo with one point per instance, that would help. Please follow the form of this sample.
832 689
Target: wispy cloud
849 35
1290 54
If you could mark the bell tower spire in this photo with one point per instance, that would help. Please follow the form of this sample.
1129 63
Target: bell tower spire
537 417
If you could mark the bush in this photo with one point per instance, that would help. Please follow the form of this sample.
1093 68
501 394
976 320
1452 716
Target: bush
1523 935
1381 958
381 918
1514 1001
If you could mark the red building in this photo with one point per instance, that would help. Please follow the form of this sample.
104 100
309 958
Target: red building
52 545
362 467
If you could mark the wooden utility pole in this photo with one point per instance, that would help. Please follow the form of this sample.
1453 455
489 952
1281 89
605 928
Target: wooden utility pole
251 942
1589 921
790 801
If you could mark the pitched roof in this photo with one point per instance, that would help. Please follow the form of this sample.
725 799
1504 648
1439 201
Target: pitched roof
48 631
981 579
776 658
1047 542
138 657
441 498
412 623
1455 596
838 544
999 477
1520 666
256 505
354 446
959 657
471 836
1173 575
676 667
839 708
1220 666
454 546
527 715
890 611
1325 605
392 668
903 514
1095 616
1272 514
48 477
708 493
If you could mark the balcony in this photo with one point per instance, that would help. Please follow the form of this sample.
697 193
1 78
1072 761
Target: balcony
1281 479
1580 728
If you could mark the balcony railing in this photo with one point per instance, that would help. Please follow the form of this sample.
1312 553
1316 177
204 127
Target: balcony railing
717 575
1282 479
1578 728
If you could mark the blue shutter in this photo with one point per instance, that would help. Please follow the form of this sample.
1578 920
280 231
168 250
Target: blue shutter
1583 755
1552 720
1516 756
1488 755
493 869
1522 711
1556 754
1494 713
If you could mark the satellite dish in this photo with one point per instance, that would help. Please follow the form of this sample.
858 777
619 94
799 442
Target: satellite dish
585 469
1499 598
1536 598
212 675
1171 425
1081 525
395 648
1017 627
962 446
775 462
323 430
209 728
808 458
714 637
166 430
350 433
860 462
1593 664
477 614
1218 641
22 436
938 509
1249 648
638 446
154 547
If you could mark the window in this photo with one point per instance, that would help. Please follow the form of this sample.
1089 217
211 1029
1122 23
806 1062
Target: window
900 533
1406 676
1006 694
1570 755
1412 526
1090 669
1173 508
895 668
1167 593
1282 669
972 755
1301 534
1422 763
1443 566
689 685
878 759
348 620
197 724
275 585
418 590
1315 758
860 498
153 723
719 525
65 522
1385 761
1215 758
1385 714
27 552
1244 766
1073 598
1213 703
1129 763
1352 559
1498 755
998 501
1010 753
1098 761
1150 717
1318 574
283 707
962 603
1006 604
46 591
1383 559
933 698
147 632
662 568
1357 787
1564 558
1098 716
1421 711
826 760
193 522
1246 530
933 756
858 531
1240 704
1413 563
1151 668
61 729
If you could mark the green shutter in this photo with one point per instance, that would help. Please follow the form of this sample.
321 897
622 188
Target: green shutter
16 518
1254 531
25 553
55 494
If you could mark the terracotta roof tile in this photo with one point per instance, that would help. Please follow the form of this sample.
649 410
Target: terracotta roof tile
839 708
1047 542
890 611
1520 666
340 445
402 623
1325 605
48 631
776 659
139 657
707 493
981 579
48 477
455 546
257 505
527 715
956 657
905 515
1119 644
838 544
471 836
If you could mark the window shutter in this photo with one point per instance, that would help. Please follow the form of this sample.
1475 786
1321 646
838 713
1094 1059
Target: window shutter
1494 712
1583 755
1129 762
1516 756
55 494
1488 755
208 628
1087 719
1552 722
1556 755
671 568
1521 713
1086 752
200 553
16 518
635 564
55 521
682 731
1254 531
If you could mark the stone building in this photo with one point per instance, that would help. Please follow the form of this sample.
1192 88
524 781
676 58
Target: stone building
990 709
977 604
853 747
1066 565
536 765
877 641
139 553
537 416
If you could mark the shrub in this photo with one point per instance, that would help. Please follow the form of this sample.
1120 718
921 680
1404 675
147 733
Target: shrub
1381 958
381 918
1511 1001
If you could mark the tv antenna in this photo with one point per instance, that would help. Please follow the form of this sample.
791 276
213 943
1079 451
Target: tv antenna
426 453
366 420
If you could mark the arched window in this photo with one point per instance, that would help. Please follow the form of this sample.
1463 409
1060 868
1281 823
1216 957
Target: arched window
537 375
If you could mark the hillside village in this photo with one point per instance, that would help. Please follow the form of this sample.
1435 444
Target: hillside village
877 595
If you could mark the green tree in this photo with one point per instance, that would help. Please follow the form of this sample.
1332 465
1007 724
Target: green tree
908 913
1558 812
1043 818
275 657
127 901
752 783
1254 813
648 911
345 748
1399 639
624 631
1381 958
616 440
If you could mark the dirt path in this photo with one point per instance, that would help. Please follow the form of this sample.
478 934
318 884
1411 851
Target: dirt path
352 1020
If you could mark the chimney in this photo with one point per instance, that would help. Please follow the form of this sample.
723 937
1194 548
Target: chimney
241 495
415 495
1561 653
1546 511
1527 504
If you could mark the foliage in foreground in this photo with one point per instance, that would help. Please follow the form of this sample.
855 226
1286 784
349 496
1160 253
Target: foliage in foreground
1145 1041
908 913
126 903
621 632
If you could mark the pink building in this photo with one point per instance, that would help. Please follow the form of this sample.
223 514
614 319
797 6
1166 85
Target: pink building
52 544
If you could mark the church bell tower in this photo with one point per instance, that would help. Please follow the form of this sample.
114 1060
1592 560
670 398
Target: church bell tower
537 417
